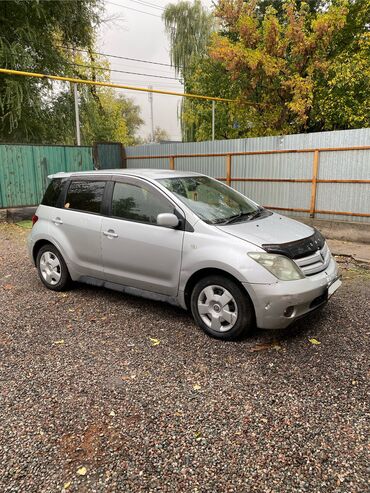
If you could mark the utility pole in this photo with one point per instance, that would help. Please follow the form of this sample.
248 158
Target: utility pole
77 114
213 119
150 97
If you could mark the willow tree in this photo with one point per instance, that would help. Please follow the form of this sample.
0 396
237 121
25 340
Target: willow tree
33 35
189 26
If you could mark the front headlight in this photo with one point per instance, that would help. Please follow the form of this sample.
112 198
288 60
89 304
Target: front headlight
281 267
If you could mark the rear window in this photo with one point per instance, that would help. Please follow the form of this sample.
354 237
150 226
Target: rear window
85 196
52 193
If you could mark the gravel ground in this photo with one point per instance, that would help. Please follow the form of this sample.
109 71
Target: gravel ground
89 403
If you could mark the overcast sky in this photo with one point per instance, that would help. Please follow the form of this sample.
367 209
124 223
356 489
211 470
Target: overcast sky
141 35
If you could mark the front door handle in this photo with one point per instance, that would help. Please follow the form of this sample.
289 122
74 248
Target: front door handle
110 233
57 220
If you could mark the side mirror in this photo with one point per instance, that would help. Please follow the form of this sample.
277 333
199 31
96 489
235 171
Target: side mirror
167 220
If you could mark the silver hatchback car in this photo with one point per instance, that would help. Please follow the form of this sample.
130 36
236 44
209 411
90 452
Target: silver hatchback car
182 237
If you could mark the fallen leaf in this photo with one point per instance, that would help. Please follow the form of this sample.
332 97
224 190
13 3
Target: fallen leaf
154 342
314 341
81 471
8 286
112 413
59 342
197 386
263 347
67 485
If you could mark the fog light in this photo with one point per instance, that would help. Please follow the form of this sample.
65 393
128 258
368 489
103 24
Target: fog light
289 311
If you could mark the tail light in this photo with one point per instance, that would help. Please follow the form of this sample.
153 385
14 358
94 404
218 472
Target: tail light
34 219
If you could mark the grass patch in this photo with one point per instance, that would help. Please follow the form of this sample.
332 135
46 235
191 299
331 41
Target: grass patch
25 224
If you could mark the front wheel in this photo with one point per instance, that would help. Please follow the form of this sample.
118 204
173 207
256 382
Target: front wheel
221 307
52 268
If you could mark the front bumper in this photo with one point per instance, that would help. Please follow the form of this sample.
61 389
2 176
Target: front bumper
278 305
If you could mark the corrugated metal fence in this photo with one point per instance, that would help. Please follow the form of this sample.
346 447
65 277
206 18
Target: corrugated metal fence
24 168
324 175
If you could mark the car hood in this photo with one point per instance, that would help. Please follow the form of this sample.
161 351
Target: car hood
273 229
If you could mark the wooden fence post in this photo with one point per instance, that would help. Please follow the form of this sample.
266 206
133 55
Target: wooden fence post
228 170
315 172
172 162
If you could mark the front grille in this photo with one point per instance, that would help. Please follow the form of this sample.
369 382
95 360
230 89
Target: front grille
314 263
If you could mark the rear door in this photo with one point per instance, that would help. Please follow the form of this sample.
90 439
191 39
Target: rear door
76 225
136 251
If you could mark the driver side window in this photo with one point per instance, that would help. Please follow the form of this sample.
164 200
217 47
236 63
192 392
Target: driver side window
135 203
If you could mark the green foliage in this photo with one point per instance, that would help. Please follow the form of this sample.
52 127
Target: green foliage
30 35
38 37
210 77
106 117
292 66
159 135
189 26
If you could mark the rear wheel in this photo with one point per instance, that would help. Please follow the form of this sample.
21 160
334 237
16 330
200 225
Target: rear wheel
52 268
221 307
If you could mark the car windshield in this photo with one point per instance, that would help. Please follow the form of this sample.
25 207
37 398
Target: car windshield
211 200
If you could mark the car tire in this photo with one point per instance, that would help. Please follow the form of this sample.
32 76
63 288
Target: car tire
221 307
52 268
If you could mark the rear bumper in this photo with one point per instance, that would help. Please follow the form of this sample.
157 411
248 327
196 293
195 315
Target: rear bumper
280 304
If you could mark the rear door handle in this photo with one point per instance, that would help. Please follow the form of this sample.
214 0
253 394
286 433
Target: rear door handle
57 220
110 233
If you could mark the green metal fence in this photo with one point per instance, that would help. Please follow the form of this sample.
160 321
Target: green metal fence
24 168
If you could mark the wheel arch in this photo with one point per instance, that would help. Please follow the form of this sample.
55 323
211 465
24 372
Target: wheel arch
210 271
38 245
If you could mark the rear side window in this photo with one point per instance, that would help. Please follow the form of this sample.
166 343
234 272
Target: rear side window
136 203
52 193
85 196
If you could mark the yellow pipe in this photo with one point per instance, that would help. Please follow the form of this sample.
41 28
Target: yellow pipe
109 84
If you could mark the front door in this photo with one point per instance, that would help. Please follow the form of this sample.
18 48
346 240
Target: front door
136 251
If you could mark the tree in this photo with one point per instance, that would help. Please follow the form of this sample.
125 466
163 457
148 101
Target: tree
41 37
289 66
32 34
210 77
131 113
106 117
189 26
160 135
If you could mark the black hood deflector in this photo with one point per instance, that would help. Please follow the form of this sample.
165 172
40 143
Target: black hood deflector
299 248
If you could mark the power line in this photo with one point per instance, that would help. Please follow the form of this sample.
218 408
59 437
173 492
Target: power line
147 4
124 71
135 10
123 57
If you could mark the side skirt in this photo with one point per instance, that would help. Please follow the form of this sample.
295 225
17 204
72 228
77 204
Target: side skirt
141 293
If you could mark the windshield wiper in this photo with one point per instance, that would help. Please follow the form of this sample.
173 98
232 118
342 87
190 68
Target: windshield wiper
236 217
256 213
249 215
